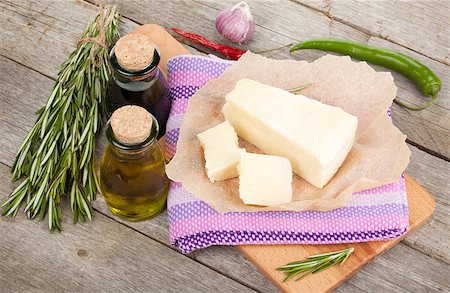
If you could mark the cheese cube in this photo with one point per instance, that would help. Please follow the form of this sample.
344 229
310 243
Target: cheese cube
315 137
222 153
265 180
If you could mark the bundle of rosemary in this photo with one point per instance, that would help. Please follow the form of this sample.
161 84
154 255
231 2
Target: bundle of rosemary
57 156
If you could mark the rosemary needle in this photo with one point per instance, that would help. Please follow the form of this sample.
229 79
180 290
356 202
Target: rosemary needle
315 263
57 155
298 88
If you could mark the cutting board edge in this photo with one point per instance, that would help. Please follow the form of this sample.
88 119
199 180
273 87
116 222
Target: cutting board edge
390 243
178 49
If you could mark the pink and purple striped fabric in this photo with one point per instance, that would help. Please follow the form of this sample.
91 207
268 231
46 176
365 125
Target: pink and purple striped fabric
376 214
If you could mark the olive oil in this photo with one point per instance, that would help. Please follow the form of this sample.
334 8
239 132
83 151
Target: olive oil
132 176
134 184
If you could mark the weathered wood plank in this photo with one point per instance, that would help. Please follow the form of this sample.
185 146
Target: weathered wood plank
429 128
437 280
102 255
348 288
42 34
44 21
14 125
431 239
226 260
51 71
423 26
436 135
432 173
289 23
402 269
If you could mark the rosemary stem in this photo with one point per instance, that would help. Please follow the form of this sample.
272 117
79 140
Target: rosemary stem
315 263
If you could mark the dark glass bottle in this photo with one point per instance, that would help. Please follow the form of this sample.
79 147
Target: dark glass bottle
146 88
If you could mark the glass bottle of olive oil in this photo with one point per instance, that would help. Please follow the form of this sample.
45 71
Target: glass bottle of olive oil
132 170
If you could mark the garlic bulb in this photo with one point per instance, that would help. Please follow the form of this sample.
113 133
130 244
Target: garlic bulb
236 23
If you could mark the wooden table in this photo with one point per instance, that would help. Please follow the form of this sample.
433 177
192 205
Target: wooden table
109 254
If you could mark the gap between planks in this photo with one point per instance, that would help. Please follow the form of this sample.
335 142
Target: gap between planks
428 151
53 79
426 140
363 30
419 250
89 3
206 51
425 149
367 32
158 241
26 66
176 250
168 245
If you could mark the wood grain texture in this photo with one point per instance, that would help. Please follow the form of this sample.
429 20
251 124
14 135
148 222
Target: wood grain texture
271 251
436 136
429 128
168 46
41 22
44 23
98 256
279 23
433 174
33 89
400 269
267 258
427 19
47 24
42 34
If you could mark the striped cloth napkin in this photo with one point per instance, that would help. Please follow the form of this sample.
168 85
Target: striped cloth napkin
376 214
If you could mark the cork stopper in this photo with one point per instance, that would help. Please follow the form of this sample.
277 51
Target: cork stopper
131 124
134 51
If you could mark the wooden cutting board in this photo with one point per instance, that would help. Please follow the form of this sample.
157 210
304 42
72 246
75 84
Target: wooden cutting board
268 257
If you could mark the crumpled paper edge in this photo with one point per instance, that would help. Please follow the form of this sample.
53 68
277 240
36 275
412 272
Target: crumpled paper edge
188 136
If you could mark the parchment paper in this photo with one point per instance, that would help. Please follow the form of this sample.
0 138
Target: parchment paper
378 157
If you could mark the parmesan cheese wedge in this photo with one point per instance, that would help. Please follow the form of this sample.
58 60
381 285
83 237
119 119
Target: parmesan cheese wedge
222 152
316 138
265 180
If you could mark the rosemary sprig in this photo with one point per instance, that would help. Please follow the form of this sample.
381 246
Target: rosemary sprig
57 155
315 263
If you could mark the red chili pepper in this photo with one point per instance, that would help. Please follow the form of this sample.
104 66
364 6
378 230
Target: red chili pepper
227 51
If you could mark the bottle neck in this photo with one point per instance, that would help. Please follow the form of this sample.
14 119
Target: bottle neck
131 155
138 85
136 80
130 151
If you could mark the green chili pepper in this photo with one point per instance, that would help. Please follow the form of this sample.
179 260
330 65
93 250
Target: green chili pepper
421 75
